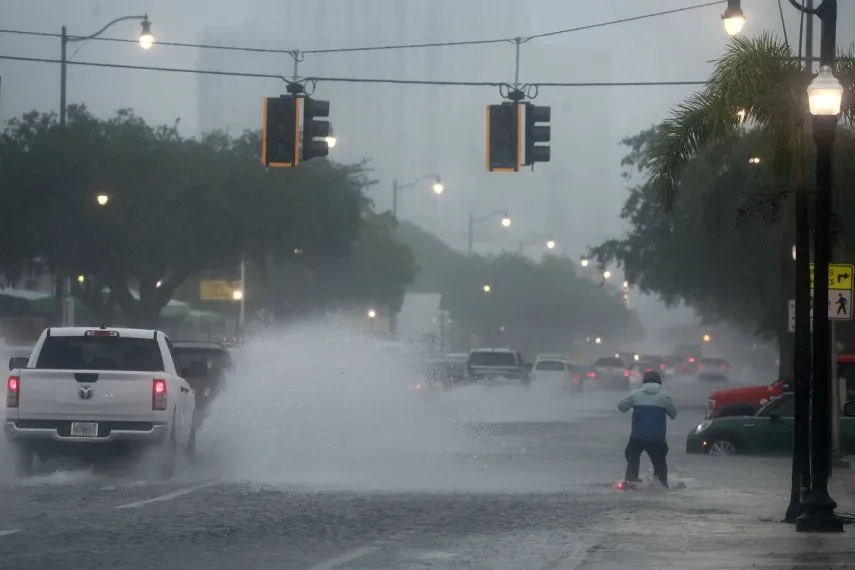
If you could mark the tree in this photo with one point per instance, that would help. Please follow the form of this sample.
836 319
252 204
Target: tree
375 274
542 306
176 206
759 82
712 251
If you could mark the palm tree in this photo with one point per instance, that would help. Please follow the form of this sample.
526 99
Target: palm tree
758 82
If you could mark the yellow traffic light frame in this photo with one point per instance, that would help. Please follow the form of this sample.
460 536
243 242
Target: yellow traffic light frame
298 108
519 149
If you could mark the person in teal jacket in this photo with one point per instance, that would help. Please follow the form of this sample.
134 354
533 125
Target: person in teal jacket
651 407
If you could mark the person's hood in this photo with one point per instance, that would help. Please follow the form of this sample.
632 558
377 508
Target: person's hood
651 387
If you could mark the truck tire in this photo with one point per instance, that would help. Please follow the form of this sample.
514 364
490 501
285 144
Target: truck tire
190 452
168 458
23 460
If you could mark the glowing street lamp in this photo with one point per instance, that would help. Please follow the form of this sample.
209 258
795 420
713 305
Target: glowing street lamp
707 338
506 221
438 187
825 94
372 314
607 274
733 18
146 38
487 288
102 199
598 340
585 262
550 244
237 294
81 278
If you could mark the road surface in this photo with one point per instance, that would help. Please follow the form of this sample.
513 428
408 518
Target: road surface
518 479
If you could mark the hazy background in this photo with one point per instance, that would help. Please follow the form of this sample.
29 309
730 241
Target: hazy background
407 131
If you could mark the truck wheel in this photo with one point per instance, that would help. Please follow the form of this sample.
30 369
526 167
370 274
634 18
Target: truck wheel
190 452
22 460
168 458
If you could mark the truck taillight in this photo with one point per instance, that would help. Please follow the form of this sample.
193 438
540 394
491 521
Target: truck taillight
158 394
626 373
13 391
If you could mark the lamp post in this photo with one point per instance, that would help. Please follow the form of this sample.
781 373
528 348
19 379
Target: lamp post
546 240
146 41
438 188
825 95
506 223
372 314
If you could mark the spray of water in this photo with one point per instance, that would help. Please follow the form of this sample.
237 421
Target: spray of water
317 405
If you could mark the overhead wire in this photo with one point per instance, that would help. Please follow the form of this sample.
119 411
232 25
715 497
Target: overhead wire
294 51
353 79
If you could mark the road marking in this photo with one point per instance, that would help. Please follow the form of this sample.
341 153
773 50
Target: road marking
166 497
8 532
348 556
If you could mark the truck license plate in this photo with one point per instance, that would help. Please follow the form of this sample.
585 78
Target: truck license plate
84 429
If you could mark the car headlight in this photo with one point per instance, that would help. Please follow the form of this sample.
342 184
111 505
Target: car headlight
702 426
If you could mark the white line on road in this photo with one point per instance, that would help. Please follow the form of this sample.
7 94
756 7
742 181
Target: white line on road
166 497
8 532
348 556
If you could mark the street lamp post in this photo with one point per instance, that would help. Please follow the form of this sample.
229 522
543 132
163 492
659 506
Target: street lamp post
825 95
146 41
438 188
506 222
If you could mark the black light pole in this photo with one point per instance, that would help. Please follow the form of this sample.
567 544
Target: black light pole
506 222
146 41
800 482
825 94
438 189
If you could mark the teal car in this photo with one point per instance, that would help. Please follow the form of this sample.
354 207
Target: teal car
768 432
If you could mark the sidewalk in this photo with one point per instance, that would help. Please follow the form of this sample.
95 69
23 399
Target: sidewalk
719 529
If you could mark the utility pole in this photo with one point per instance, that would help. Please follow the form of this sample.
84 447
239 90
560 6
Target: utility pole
242 310
471 223
395 199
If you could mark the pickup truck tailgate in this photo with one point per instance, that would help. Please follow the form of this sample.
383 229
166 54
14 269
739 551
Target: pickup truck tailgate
85 394
497 372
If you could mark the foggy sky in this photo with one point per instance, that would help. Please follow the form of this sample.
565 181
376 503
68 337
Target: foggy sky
576 197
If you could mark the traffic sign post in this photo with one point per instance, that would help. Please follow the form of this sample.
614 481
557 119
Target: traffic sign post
839 305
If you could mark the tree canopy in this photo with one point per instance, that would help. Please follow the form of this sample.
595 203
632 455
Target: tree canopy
176 207
542 306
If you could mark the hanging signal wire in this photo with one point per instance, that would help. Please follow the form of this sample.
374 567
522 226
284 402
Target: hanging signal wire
353 79
293 52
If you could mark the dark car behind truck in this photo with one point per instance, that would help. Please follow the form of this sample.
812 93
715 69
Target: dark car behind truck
219 362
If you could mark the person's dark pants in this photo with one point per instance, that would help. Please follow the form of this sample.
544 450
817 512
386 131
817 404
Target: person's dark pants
657 451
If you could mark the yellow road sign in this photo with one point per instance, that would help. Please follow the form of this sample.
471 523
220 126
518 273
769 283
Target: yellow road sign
212 290
839 276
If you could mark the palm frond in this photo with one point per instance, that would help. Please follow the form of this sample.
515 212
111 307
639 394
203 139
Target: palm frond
756 80
845 72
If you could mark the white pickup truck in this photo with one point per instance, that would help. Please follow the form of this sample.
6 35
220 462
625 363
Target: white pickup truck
92 393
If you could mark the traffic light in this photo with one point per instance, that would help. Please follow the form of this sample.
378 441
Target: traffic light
537 136
316 125
504 137
280 139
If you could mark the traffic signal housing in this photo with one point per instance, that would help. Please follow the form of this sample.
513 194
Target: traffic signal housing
537 134
280 137
504 137
316 126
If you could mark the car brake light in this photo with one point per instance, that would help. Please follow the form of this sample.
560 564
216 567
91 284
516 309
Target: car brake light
724 366
626 373
158 394
576 376
418 386
13 391
691 359
661 367
591 374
